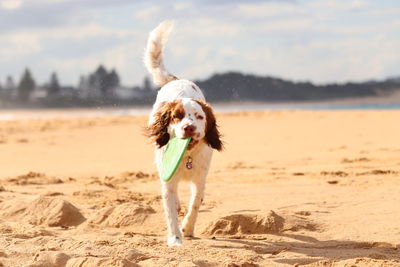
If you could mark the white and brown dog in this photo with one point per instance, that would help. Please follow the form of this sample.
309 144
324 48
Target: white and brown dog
180 110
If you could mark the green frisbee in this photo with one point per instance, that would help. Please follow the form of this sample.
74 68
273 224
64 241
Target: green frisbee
172 157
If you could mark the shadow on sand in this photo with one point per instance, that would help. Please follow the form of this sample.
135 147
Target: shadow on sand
315 250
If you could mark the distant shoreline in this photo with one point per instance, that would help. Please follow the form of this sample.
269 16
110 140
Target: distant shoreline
378 102
367 103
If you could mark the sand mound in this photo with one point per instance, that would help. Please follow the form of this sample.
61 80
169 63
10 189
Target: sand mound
125 177
47 211
58 259
33 178
50 259
126 214
356 262
22 231
12 208
107 198
53 212
99 262
155 262
269 223
134 255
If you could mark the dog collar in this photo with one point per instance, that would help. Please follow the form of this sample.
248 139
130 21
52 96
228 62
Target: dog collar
189 164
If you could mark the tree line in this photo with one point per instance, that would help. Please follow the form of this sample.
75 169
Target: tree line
22 91
100 80
103 87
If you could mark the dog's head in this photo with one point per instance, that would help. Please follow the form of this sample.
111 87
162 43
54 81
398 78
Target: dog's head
185 118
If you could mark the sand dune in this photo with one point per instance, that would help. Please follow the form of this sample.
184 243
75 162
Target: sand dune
316 188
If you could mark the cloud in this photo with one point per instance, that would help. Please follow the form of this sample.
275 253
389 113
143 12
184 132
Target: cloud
10 4
122 57
235 2
205 28
269 9
35 40
69 50
52 13
339 5
148 13
180 6
16 46
330 40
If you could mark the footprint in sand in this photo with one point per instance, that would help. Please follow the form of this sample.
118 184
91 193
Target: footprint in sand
334 173
240 165
378 172
362 159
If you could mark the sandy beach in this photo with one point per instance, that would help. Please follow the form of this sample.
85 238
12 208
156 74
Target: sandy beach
315 188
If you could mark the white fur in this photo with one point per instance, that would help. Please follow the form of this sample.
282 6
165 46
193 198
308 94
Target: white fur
201 153
153 56
194 116
201 157
176 89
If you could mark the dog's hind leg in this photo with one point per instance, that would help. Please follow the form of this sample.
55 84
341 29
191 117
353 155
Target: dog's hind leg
170 198
197 189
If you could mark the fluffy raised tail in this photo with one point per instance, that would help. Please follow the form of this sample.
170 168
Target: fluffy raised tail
153 56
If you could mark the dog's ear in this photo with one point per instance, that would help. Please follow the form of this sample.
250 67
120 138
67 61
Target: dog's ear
212 135
157 131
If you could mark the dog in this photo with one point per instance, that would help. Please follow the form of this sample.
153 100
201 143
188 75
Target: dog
180 110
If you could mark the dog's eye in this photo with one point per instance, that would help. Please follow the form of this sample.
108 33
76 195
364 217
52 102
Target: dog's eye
199 117
178 116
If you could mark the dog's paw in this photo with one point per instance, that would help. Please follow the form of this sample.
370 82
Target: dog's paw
174 241
187 231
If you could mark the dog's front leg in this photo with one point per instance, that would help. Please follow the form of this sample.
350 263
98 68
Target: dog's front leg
188 222
170 198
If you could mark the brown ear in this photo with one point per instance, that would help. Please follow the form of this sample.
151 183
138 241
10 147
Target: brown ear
158 130
212 137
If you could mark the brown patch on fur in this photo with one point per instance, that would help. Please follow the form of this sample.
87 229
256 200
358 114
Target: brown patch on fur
170 78
178 112
167 112
212 137
192 144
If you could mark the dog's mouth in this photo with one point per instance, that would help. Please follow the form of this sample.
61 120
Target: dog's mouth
192 143
193 135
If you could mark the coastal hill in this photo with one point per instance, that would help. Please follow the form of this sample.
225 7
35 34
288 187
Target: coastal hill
235 86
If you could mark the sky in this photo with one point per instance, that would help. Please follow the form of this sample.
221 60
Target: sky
321 41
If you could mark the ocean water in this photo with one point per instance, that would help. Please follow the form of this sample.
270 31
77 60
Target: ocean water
8 115
308 106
